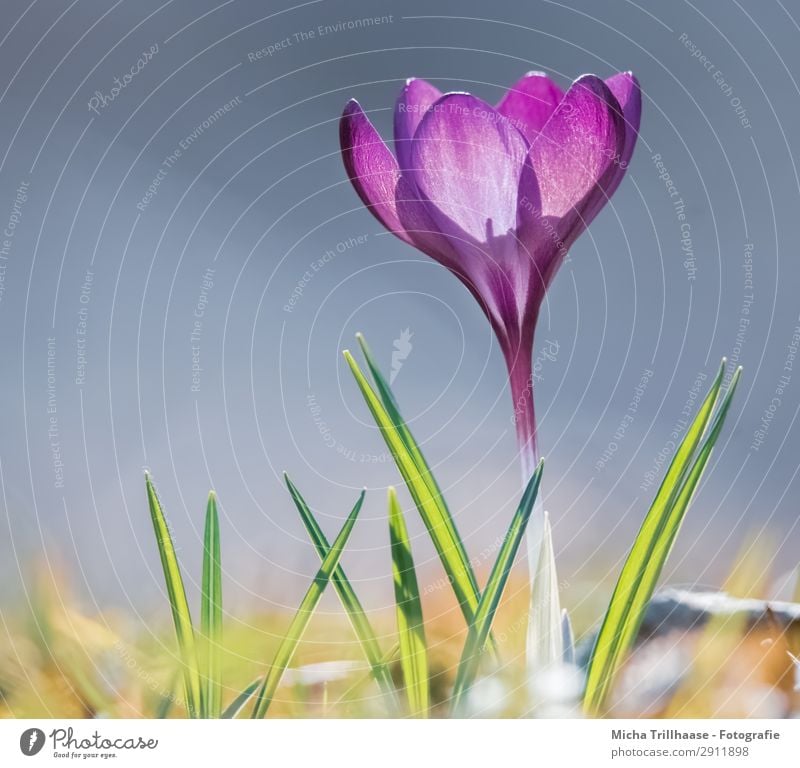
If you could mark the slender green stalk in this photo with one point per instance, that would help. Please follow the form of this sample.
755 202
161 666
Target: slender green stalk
166 700
238 704
304 613
350 602
181 616
643 566
393 409
425 494
211 612
481 626
410 623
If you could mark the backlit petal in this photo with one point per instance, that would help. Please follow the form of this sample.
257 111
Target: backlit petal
530 102
371 167
575 154
466 162
414 101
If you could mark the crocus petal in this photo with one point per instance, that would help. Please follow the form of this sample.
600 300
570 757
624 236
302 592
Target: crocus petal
539 244
466 161
575 153
469 168
627 92
530 102
414 101
416 220
371 167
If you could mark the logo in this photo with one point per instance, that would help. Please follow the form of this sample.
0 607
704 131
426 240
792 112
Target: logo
31 741
402 349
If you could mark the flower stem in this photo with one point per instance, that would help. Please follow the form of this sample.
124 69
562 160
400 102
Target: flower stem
544 627
520 376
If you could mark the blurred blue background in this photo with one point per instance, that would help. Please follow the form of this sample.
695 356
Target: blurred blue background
196 329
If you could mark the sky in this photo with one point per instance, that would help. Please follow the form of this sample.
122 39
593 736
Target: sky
184 262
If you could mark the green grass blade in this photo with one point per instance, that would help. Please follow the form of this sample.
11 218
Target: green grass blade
410 624
427 499
166 700
480 628
384 390
211 612
643 566
238 704
350 602
304 613
181 616
391 655
393 409
695 474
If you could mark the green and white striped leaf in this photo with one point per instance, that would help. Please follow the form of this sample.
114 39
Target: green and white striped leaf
642 569
181 616
410 624
423 489
211 612
350 602
238 704
303 615
481 626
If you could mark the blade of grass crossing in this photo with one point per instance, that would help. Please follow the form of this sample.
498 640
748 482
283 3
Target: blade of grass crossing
181 616
481 626
350 602
438 522
392 654
167 699
238 704
393 410
693 476
303 615
642 568
211 612
410 625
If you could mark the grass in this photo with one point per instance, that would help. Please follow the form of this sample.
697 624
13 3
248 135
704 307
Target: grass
181 616
401 663
410 622
642 569
481 625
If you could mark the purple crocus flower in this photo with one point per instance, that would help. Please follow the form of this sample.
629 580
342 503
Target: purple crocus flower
498 194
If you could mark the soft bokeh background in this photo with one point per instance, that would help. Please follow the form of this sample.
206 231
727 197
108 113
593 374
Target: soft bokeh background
107 293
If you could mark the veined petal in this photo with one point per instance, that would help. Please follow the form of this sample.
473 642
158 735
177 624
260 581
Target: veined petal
530 102
576 153
416 220
466 162
476 264
627 92
413 103
371 167
539 244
